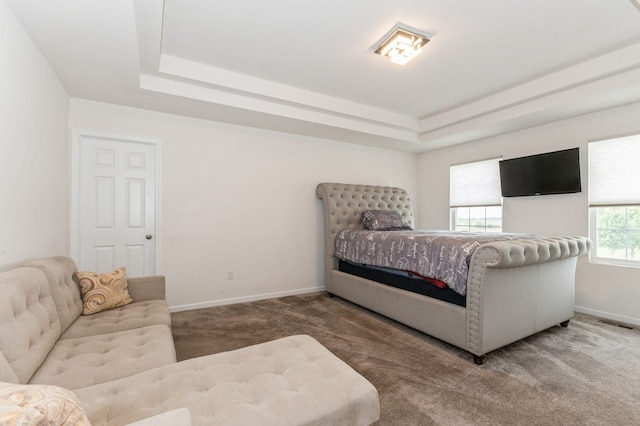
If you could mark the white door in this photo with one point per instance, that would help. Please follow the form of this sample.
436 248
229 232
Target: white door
116 206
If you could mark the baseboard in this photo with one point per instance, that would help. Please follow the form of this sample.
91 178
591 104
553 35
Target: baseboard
263 296
608 315
251 298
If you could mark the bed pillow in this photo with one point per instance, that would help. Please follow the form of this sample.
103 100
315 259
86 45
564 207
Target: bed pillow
384 220
103 291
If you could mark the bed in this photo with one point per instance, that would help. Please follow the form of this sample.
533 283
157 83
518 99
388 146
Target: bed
514 288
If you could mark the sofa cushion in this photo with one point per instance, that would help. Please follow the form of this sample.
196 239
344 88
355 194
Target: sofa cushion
85 361
103 291
178 417
294 380
65 288
39 405
29 323
6 371
134 315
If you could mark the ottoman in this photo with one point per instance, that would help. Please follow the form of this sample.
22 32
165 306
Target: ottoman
290 381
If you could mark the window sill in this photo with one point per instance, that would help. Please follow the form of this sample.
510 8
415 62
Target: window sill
615 262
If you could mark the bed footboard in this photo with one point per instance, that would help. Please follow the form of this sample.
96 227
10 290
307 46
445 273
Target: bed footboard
518 288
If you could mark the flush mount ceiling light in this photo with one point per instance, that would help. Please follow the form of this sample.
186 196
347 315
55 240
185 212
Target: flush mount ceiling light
402 45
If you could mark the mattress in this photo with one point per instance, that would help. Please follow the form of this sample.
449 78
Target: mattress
412 284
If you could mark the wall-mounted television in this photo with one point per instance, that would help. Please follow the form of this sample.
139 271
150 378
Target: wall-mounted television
555 172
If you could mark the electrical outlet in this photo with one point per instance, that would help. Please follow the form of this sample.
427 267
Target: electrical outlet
229 275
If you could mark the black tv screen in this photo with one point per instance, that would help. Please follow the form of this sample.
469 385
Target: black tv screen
555 172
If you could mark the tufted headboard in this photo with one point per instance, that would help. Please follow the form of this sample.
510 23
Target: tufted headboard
343 207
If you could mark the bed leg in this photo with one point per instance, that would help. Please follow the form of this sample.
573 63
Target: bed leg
331 295
565 323
479 359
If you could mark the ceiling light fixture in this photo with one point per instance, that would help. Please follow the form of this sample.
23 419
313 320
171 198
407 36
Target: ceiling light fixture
402 45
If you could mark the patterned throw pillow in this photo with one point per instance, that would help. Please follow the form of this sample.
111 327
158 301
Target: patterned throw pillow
39 405
104 291
384 220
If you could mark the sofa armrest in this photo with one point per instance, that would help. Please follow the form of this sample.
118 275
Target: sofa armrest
177 417
147 288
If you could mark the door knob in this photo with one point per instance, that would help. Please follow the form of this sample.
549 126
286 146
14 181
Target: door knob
148 236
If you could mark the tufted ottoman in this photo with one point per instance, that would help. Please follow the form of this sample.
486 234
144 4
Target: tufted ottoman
290 381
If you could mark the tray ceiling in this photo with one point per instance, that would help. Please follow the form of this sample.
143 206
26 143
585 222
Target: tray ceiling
308 68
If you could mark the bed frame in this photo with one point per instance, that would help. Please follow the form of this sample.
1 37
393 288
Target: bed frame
514 288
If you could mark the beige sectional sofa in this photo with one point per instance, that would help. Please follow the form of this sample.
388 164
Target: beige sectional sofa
120 364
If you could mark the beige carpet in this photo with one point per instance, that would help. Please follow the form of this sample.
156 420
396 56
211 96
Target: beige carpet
586 374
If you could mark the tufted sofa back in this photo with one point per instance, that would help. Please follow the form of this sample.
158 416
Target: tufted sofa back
29 323
60 273
343 207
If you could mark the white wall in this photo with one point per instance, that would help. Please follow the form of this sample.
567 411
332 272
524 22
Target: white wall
34 148
241 199
602 290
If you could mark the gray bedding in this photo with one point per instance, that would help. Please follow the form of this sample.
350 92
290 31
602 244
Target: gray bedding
443 255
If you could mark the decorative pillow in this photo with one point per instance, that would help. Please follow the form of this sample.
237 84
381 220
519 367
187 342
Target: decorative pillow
39 405
104 291
384 220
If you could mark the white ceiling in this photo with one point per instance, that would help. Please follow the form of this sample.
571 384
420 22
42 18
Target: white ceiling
308 67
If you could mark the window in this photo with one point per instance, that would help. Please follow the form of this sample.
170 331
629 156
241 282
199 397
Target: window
474 196
614 200
477 219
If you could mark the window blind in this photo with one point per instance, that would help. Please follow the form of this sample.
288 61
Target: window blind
614 172
475 184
